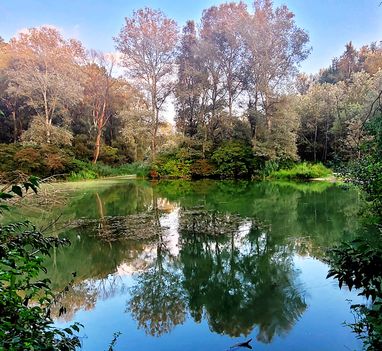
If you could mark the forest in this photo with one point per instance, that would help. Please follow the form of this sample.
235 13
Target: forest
242 108
221 98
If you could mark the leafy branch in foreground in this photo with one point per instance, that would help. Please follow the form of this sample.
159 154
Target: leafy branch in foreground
358 265
26 300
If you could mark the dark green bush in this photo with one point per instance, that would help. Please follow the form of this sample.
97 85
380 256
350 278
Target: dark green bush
234 160
358 265
175 164
26 300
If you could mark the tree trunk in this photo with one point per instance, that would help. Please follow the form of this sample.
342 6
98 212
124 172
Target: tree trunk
47 119
97 145
14 126
326 141
154 134
315 144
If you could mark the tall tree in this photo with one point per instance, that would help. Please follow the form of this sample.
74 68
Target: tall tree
45 69
276 45
190 83
221 30
147 42
98 86
348 62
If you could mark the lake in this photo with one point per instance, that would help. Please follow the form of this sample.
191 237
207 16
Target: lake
177 265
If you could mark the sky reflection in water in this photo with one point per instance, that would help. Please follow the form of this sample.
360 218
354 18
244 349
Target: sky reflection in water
206 264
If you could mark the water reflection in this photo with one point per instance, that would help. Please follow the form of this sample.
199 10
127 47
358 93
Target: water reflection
158 301
219 252
239 280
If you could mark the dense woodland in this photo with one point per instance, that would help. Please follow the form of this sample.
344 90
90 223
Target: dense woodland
233 78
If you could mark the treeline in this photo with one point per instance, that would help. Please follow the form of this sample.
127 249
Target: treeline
241 106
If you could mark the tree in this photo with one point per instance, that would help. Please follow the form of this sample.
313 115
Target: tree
276 45
147 42
221 31
45 70
189 89
348 62
317 111
98 85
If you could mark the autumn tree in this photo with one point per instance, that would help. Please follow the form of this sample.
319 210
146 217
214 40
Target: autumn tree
98 92
45 70
147 42
368 58
276 45
11 102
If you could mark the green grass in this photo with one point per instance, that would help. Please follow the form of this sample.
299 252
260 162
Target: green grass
302 171
87 170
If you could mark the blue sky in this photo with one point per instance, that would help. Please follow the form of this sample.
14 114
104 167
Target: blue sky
330 23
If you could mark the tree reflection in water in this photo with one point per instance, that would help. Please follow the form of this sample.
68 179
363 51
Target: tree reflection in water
216 263
240 285
158 301
236 278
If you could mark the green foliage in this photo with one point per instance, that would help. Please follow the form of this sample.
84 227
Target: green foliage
83 174
17 190
38 131
358 265
26 299
88 170
43 161
302 171
367 173
202 169
233 160
173 164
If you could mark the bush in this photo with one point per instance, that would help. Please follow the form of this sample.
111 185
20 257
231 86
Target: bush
87 170
43 161
358 265
202 169
367 174
173 164
234 160
26 300
302 171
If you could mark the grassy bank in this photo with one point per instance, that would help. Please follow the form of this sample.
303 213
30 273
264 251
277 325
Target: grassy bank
88 170
302 171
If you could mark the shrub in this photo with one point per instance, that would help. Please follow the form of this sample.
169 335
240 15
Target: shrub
173 164
87 170
234 160
26 300
202 169
358 265
367 174
109 155
302 171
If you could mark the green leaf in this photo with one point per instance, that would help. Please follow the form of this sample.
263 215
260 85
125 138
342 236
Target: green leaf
5 196
17 190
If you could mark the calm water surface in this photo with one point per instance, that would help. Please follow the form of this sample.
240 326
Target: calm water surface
202 265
